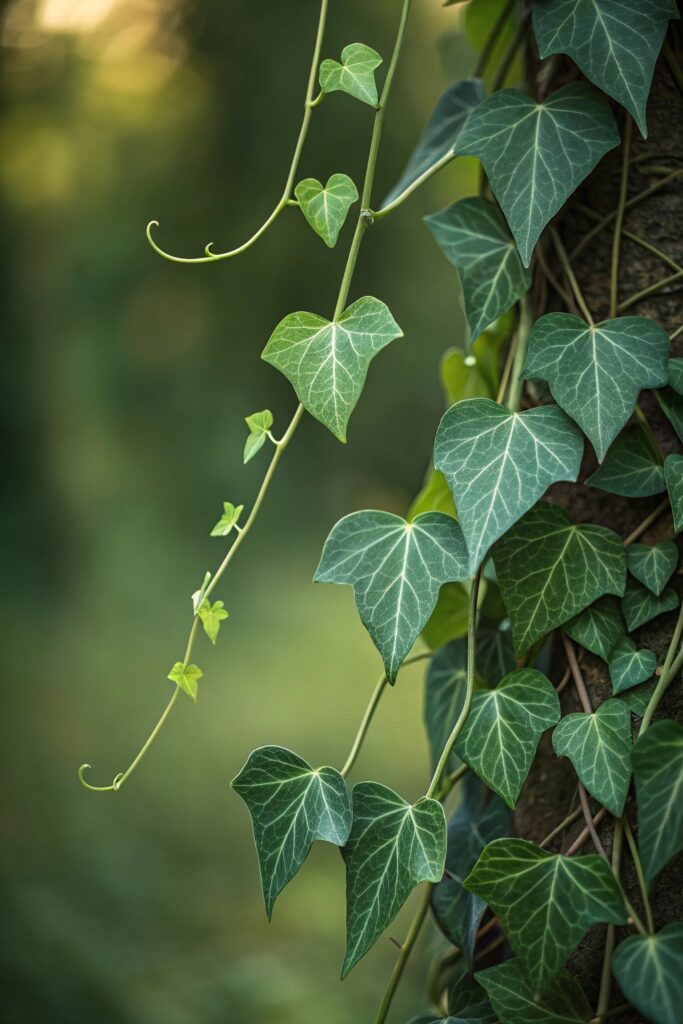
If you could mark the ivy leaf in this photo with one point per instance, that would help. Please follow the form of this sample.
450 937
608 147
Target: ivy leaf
598 627
198 595
657 759
640 605
449 619
434 497
396 569
546 902
466 1000
672 405
648 969
327 362
596 373
549 569
638 697
228 521
187 678
630 467
599 748
444 696
355 75
393 847
465 375
473 236
515 1001
615 43
676 375
325 207
536 154
503 729
653 564
495 654
259 424
212 615
499 463
291 805
441 133
629 666
673 473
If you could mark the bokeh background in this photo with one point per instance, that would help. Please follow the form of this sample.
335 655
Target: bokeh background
126 381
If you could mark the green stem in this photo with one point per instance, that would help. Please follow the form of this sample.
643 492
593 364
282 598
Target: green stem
451 780
647 523
407 193
650 290
571 277
671 667
523 332
492 40
571 817
406 950
610 936
639 874
619 221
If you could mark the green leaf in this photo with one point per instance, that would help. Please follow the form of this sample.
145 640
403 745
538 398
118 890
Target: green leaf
495 653
638 697
228 521
259 424
676 375
466 1000
515 1001
441 133
673 472
549 569
393 847
464 375
630 467
449 619
615 43
629 666
536 154
198 596
499 463
212 615
599 748
444 696
640 605
187 678
595 373
325 207
598 627
396 569
473 236
291 805
355 75
327 362
503 729
672 404
658 772
653 564
434 497
648 969
546 902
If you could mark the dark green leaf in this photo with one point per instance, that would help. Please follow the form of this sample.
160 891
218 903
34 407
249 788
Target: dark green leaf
653 564
598 627
672 404
444 696
326 207
355 74
673 471
599 748
515 1001
211 616
629 666
648 969
630 467
638 698
495 657
640 605
658 772
186 677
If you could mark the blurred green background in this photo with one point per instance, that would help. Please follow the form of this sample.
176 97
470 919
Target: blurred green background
127 379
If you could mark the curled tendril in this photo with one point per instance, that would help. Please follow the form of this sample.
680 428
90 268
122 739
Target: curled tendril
208 258
114 788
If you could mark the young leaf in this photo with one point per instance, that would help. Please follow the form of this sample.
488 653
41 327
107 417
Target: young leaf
648 969
516 1002
187 678
673 472
640 605
499 463
228 520
615 43
503 729
212 615
599 747
596 373
546 902
598 627
396 570
495 653
672 405
473 236
444 696
291 805
327 362
657 761
465 375
355 75
393 847
653 564
198 596
630 467
628 666
325 207
549 569
536 154
259 424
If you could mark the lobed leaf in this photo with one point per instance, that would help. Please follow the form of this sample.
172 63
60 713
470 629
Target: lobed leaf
187 678
629 666
640 605
228 521
599 748
599 627
259 424
211 616
653 564
630 467
326 207
648 969
355 74
657 759
515 1001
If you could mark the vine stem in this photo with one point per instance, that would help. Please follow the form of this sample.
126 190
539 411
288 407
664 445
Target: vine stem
639 874
571 277
619 221
671 667
610 937
577 675
407 193
406 950
647 523
523 332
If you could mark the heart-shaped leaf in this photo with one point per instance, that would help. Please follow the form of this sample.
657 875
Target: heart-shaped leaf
648 969
595 373
259 424
499 463
599 747
673 473
396 570
291 805
516 1002
187 678
657 760
629 666
327 362
536 154
630 467
444 696
640 605
653 564
355 75
598 627
325 207
393 847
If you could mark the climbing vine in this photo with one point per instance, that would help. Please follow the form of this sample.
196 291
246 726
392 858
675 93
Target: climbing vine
494 580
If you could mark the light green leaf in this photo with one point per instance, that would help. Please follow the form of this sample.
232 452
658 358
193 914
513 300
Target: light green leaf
212 615
259 424
503 729
648 969
549 569
499 463
638 697
615 43
515 1001
473 236
396 569
187 678
393 847
327 362
599 748
495 653
630 467
228 521
291 805
355 75
444 696
198 595
676 375
596 373
640 605
629 666
326 207
536 154
598 627
449 619
673 472
672 404
546 902
464 375
658 772
434 497
653 564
